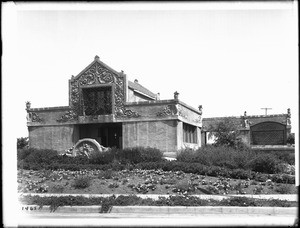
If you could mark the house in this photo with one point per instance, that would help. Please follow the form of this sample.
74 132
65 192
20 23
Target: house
112 111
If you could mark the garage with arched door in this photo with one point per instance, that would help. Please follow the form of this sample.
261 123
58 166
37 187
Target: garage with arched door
268 133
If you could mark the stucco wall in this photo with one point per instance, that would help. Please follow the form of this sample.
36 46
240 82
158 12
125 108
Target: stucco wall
51 137
158 134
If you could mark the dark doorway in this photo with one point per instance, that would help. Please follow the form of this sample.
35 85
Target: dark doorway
108 134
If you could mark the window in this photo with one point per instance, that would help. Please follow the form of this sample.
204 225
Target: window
189 133
97 101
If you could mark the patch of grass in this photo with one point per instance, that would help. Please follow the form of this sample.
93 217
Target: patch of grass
284 189
56 188
169 181
106 174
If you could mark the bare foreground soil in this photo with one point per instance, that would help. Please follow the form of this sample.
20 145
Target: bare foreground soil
141 182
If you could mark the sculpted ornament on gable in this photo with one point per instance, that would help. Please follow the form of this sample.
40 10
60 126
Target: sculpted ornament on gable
97 74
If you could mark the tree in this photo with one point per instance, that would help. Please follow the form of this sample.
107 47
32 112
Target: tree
291 138
22 142
226 133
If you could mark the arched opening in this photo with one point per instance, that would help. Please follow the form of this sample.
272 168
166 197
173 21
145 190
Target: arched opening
268 133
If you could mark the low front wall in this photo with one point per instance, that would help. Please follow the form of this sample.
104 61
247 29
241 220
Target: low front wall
269 148
159 134
57 138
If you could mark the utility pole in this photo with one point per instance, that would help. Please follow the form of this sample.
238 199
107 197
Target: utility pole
266 109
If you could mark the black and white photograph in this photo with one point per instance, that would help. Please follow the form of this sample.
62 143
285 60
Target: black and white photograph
150 114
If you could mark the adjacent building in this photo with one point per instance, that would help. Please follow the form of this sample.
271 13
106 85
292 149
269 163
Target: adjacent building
255 130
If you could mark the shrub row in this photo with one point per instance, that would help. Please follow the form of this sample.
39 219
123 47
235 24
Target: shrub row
125 156
129 155
229 157
149 158
131 200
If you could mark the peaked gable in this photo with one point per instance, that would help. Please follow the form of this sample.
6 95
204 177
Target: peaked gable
96 69
98 73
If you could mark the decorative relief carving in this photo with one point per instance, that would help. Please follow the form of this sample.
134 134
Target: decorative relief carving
119 97
97 74
33 117
168 110
128 113
182 113
68 116
165 112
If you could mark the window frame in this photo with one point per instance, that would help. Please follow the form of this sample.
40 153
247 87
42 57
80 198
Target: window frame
189 133
112 98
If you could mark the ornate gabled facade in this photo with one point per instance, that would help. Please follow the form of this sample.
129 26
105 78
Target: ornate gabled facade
106 107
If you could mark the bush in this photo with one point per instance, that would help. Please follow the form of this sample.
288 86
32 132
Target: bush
265 163
139 154
22 142
285 156
291 138
223 156
41 156
226 133
149 154
23 153
129 200
82 182
283 178
284 189
239 201
107 204
127 156
103 157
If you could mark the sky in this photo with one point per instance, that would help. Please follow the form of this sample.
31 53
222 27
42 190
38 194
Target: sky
228 57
